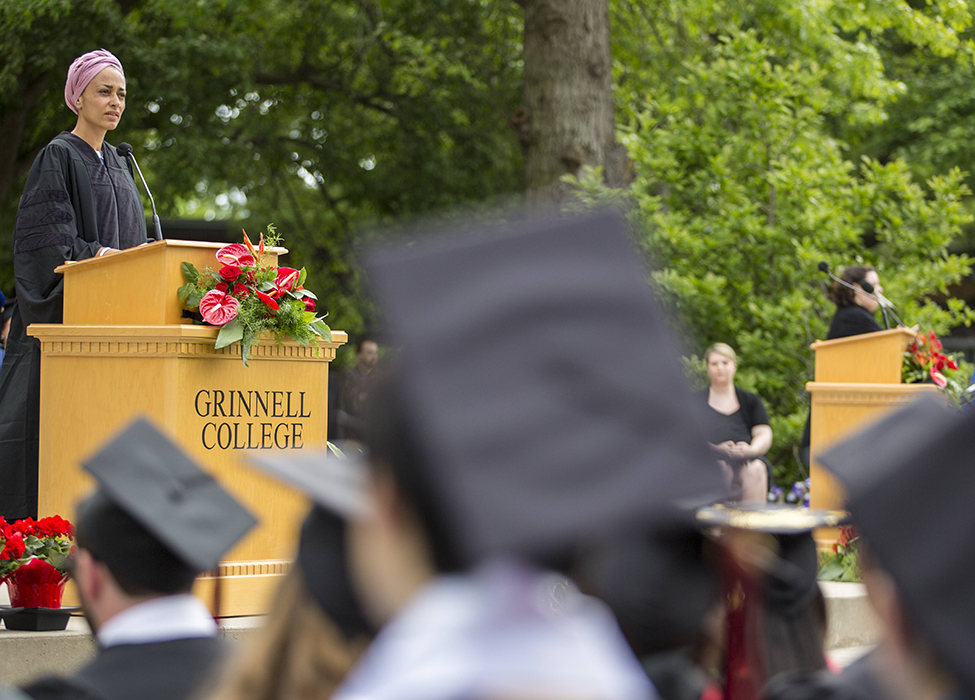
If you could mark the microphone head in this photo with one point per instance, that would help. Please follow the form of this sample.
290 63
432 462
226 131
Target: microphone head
125 150
866 286
824 266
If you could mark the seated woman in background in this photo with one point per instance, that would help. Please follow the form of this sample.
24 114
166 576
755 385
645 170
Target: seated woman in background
854 309
739 428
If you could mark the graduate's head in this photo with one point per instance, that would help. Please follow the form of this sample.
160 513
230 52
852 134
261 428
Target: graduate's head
95 89
155 522
907 478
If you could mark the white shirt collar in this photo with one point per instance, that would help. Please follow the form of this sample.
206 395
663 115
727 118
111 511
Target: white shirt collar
161 619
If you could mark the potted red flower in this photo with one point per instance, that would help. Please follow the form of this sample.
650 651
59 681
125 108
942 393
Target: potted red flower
34 558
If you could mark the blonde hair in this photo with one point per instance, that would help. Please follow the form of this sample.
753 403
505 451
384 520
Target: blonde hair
300 654
722 349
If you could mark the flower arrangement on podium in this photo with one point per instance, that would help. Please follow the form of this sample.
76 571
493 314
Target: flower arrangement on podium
34 556
924 361
248 296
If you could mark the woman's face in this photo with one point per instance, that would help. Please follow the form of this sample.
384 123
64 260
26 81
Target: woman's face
862 299
721 369
103 101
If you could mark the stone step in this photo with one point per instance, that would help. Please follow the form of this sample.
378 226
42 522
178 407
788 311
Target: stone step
850 619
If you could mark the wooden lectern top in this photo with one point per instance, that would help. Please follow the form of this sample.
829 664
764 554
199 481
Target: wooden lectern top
135 287
869 358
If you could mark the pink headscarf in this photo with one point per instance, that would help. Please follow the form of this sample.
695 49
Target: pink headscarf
83 70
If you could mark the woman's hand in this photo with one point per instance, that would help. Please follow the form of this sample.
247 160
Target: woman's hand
742 450
726 448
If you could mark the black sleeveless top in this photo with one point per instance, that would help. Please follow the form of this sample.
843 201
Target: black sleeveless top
736 426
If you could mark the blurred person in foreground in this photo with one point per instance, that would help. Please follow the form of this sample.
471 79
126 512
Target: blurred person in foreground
908 479
496 451
738 427
154 523
80 201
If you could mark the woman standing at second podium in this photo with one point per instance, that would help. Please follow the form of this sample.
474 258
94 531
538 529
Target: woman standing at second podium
80 201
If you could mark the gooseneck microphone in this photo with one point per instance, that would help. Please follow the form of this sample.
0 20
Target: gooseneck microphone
866 288
125 150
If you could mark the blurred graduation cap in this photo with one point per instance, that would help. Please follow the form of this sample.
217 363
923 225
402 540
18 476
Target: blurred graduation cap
909 481
336 484
156 519
541 386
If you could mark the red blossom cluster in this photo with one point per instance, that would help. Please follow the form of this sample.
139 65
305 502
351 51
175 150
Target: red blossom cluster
221 305
847 537
13 536
926 350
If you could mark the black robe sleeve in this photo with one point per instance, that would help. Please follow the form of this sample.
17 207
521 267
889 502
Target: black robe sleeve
47 233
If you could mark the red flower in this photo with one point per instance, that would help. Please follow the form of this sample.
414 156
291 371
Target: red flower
240 290
235 254
952 364
286 279
14 547
309 304
938 378
230 273
218 308
222 287
268 301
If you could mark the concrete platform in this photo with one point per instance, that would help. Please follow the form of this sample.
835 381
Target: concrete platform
26 655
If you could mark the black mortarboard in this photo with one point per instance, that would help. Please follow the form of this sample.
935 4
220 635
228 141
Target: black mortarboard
337 485
909 481
542 385
157 519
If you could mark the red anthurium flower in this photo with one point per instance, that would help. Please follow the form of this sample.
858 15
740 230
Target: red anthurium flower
218 308
952 364
938 378
240 290
268 301
230 273
286 279
309 304
235 254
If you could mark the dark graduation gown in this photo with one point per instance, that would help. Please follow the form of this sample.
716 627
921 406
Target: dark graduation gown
851 320
72 205
174 670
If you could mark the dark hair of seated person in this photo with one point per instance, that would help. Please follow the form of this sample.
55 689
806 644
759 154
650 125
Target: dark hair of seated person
854 274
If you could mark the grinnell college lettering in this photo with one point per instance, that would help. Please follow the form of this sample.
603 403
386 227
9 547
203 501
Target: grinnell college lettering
251 435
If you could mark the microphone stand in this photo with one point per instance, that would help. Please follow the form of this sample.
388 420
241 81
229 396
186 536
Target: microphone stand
157 227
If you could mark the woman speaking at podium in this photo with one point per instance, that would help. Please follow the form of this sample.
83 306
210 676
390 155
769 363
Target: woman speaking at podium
854 308
80 201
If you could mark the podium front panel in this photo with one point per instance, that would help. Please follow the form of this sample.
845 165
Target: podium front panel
94 380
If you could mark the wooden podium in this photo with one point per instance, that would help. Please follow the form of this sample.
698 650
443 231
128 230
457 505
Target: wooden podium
858 379
125 350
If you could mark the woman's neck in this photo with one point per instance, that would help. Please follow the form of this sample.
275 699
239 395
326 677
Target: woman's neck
93 137
723 389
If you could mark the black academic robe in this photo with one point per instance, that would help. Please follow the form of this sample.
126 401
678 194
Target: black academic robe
175 670
72 205
851 320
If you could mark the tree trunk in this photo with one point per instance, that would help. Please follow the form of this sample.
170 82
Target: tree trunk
566 119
